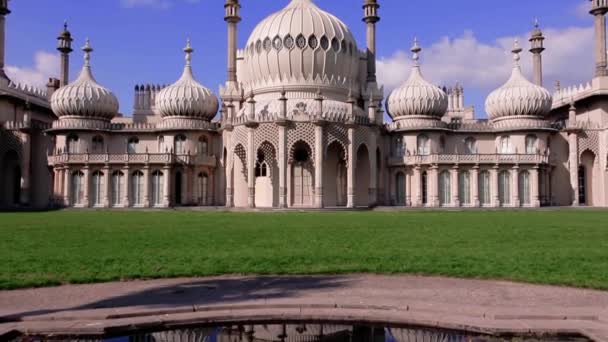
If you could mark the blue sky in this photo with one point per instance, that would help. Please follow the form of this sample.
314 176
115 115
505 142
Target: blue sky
140 41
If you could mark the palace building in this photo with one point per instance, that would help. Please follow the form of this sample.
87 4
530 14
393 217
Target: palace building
300 123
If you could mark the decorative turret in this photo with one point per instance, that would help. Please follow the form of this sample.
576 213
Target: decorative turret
4 11
85 98
187 98
232 18
598 10
64 46
537 48
518 98
370 9
417 98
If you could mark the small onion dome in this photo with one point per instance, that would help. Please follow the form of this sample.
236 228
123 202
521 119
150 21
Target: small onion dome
85 97
187 97
518 97
417 97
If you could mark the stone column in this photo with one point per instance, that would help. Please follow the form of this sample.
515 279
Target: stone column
475 186
455 186
167 186
319 164
434 186
251 155
147 186
350 176
87 186
3 12
535 198
601 63
229 169
108 186
494 186
282 166
408 189
67 196
126 202
373 172
515 187
417 187
573 167
26 160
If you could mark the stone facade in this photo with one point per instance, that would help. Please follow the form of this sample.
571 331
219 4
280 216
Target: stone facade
301 125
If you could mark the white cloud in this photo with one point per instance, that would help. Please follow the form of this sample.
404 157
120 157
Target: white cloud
483 66
158 4
46 64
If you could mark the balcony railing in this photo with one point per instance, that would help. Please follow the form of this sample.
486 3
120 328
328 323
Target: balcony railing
132 158
471 159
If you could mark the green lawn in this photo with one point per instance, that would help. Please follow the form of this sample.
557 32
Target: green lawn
564 247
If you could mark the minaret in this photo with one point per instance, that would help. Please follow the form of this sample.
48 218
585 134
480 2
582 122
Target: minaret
232 18
64 46
3 12
370 17
598 10
537 48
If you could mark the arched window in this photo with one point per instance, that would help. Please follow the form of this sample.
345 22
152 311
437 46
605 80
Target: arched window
132 145
485 196
424 147
261 166
582 185
504 145
504 188
203 189
97 144
118 182
445 188
77 187
73 144
399 147
400 188
157 188
97 188
203 146
524 188
464 188
180 144
470 146
531 142
161 144
425 183
137 188
442 144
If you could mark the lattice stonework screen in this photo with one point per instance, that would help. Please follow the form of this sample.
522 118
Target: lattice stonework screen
589 141
302 131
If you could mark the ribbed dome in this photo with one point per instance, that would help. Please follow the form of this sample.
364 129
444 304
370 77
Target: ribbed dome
85 97
304 42
187 97
518 97
417 96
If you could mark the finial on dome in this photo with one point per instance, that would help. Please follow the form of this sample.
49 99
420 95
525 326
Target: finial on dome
416 51
516 51
188 50
87 49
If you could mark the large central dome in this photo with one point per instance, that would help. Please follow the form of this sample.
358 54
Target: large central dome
298 45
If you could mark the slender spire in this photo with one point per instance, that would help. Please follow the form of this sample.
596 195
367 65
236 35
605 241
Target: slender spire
87 53
188 50
416 49
516 51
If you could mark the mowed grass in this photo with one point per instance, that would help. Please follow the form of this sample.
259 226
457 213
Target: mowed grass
564 247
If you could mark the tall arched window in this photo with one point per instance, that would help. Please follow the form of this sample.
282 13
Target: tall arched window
445 188
203 146
399 147
132 145
161 144
203 189
470 146
485 195
97 188
424 147
261 166
442 144
180 144
464 188
582 185
400 188
137 188
504 145
118 182
77 187
531 142
524 188
97 144
73 144
425 193
157 188
504 188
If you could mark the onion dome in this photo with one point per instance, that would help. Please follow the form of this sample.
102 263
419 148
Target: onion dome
417 96
518 97
187 97
301 42
85 97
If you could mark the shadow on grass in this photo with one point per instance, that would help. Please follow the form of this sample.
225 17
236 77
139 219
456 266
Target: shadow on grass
204 292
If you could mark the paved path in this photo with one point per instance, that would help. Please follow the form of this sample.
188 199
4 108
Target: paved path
476 305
